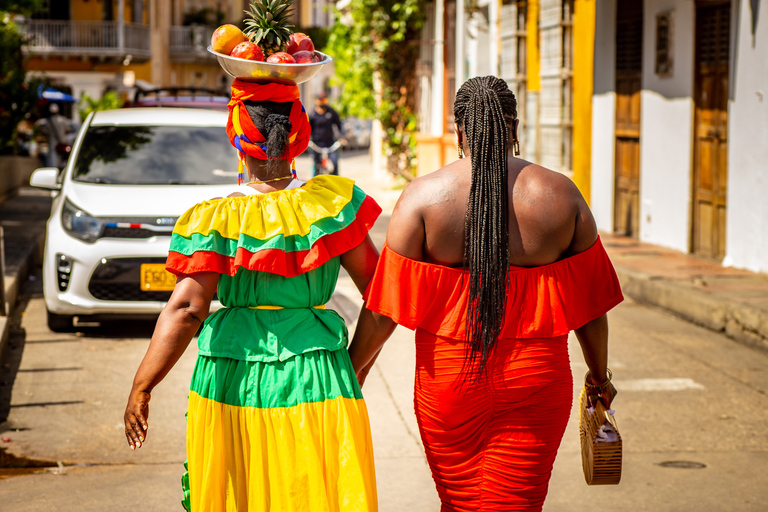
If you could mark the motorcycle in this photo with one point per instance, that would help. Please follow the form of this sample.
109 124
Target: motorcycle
326 164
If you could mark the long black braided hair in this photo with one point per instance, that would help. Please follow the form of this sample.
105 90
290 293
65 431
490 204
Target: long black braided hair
483 108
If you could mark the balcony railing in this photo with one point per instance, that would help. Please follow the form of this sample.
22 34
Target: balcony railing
190 43
86 38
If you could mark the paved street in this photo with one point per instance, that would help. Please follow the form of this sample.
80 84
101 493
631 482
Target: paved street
687 396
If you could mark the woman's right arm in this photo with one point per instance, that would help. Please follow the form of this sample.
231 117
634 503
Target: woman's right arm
179 321
593 336
405 236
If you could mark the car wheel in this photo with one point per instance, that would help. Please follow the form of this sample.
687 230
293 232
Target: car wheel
61 323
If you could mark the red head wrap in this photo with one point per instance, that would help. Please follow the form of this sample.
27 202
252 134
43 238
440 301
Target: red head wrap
244 135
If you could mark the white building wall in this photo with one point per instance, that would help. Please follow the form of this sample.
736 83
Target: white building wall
666 132
747 221
604 116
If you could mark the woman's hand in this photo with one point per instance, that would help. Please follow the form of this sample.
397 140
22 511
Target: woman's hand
179 321
135 418
606 395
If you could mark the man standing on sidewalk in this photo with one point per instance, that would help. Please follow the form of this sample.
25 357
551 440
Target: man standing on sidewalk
322 120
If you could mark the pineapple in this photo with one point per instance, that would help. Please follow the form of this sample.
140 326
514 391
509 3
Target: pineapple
268 25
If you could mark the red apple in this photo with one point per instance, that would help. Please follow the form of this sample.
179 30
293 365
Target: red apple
248 50
306 45
303 57
317 58
281 58
299 42
225 38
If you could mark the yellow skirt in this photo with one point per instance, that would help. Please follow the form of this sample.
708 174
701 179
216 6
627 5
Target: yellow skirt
278 436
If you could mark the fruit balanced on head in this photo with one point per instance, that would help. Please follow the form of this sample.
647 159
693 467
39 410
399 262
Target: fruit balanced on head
225 38
269 24
247 50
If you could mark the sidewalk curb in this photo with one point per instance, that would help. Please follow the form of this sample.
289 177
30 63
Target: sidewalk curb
741 322
13 285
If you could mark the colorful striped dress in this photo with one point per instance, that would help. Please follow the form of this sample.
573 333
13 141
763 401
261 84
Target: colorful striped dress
276 418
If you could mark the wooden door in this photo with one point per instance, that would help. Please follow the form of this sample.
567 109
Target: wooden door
710 159
629 53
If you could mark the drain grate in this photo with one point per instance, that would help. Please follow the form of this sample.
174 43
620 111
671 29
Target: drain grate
682 464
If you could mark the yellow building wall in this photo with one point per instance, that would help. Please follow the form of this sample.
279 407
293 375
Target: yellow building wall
583 85
82 10
93 10
143 71
532 46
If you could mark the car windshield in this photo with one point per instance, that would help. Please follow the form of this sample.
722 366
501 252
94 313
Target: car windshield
156 155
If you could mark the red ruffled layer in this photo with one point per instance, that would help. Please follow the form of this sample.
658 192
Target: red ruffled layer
545 301
276 261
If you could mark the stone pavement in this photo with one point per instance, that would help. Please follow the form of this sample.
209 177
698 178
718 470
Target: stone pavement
22 218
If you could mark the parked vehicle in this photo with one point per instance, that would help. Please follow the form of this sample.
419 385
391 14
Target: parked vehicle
326 164
131 174
357 132
184 97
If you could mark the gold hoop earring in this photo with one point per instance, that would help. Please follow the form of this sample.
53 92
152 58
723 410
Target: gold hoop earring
461 151
516 146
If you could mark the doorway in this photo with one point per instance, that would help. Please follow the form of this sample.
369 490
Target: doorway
629 58
710 158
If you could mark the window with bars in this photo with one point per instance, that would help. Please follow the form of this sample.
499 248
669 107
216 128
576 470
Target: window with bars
514 15
566 67
664 34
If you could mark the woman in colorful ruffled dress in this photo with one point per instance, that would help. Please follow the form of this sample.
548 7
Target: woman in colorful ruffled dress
276 419
493 260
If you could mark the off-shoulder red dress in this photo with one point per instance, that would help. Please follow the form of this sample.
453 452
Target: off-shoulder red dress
491 443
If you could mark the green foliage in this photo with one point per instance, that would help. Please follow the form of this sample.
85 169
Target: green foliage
25 7
17 98
318 35
109 101
14 93
379 38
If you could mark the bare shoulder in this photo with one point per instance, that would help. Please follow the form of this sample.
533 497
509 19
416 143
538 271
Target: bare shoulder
552 202
432 190
538 182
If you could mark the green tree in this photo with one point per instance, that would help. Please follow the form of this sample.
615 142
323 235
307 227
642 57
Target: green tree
15 94
377 39
110 100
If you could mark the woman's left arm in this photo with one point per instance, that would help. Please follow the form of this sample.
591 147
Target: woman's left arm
372 329
179 321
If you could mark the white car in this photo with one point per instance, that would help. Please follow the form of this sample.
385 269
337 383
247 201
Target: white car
131 174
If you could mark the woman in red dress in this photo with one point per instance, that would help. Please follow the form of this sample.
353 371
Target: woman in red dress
493 260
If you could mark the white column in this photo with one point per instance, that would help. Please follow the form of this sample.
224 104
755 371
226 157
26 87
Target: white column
438 76
460 57
121 24
494 36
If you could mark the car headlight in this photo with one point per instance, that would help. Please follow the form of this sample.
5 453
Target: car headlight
79 224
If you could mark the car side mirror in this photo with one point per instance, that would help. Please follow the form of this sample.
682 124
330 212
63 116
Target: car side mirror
47 178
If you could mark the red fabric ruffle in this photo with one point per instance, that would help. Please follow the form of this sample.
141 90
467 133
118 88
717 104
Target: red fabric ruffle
545 301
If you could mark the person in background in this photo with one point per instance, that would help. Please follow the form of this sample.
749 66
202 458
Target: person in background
59 133
322 120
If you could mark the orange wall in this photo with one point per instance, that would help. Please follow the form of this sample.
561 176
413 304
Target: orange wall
92 10
86 11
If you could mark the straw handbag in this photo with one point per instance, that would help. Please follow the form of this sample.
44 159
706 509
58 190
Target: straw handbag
600 459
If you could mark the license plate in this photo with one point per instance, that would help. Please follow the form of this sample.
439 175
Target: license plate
154 278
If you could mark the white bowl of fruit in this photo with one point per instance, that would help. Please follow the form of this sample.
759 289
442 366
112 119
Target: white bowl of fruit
267 50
